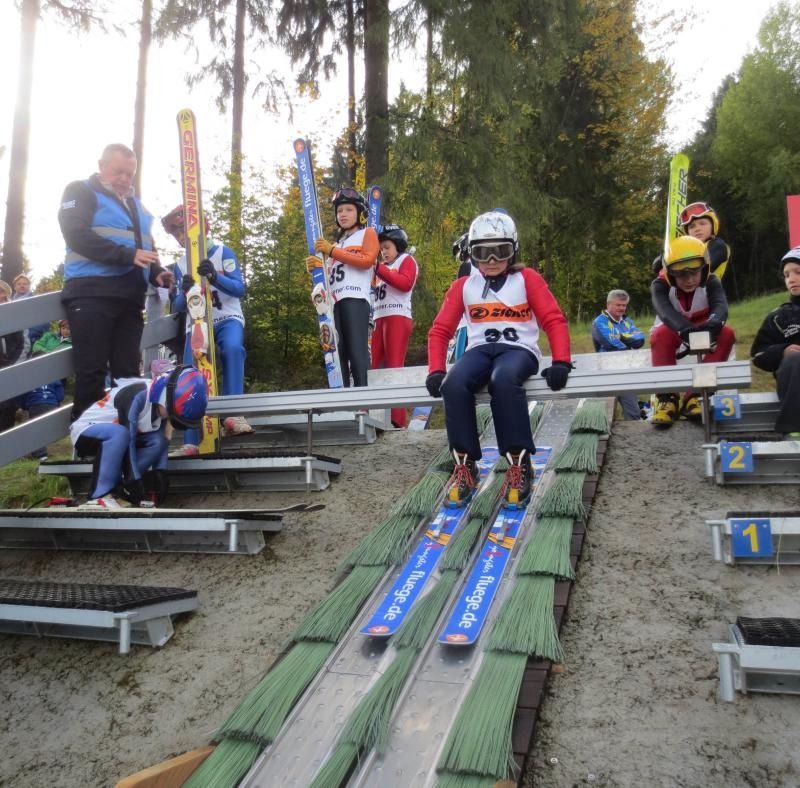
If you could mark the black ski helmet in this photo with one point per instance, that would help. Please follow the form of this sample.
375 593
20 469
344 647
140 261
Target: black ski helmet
349 196
396 234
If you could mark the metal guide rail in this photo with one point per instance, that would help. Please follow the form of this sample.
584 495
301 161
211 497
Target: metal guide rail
142 530
223 473
756 538
753 462
428 705
338 428
755 664
581 383
122 614
735 413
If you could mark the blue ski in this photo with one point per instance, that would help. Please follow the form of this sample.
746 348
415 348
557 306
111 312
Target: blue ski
419 417
320 295
398 601
374 203
469 614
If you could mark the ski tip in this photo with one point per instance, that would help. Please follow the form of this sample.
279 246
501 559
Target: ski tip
299 145
456 639
377 631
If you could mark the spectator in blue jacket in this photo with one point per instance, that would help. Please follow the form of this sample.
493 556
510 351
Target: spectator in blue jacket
613 330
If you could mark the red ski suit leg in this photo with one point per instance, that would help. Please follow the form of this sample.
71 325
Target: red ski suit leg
389 345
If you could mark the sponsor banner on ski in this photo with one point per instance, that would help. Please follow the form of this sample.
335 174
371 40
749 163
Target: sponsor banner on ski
398 601
374 203
308 196
467 619
677 198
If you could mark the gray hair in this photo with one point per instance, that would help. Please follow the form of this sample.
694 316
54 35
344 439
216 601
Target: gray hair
116 147
617 295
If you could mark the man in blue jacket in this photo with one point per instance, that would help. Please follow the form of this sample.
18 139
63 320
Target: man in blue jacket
613 330
110 260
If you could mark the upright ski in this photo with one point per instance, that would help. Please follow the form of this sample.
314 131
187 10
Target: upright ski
374 203
469 614
320 294
677 197
397 603
198 299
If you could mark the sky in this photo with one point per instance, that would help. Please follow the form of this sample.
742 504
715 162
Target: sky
84 90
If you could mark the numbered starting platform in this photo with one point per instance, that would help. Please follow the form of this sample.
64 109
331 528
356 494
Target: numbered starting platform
142 530
258 471
756 538
753 462
734 413
122 614
763 655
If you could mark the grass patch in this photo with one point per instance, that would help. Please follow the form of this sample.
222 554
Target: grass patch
22 486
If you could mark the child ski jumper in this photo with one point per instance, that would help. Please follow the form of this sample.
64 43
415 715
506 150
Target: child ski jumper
686 298
776 347
125 431
351 266
396 277
224 277
699 220
505 305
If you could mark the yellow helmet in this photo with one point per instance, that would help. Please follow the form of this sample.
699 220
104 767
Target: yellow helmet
686 254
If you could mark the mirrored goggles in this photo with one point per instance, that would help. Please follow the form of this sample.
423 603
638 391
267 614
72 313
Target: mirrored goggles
500 250
345 194
694 210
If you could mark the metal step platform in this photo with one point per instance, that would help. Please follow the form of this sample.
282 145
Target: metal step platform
258 471
339 428
753 462
428 705
122 614
756 538
763 655
735 413
142 530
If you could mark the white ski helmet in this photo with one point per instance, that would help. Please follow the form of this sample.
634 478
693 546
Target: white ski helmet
490 229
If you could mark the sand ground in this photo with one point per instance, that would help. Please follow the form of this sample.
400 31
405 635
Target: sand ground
636 705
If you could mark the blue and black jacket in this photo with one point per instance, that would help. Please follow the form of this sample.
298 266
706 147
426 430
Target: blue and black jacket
609 334
102 234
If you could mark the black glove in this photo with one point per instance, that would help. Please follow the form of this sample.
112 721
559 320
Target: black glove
133 491
187 283
684 333
557 374
206 269
713 327
434 383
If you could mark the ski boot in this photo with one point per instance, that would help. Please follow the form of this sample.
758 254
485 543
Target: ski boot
463 482
103 504
691 407
666 411
517 487
187 450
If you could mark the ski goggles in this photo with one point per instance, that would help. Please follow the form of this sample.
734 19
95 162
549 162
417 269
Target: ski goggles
500 250
686 267
343 195
694 211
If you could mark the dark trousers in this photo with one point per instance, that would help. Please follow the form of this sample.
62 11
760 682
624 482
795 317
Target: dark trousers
33 412
788 380
105 338
351 318
505 369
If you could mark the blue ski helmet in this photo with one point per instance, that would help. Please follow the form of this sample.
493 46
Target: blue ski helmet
396 234
184 393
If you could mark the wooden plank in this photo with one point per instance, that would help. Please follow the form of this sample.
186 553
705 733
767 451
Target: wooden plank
168 774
